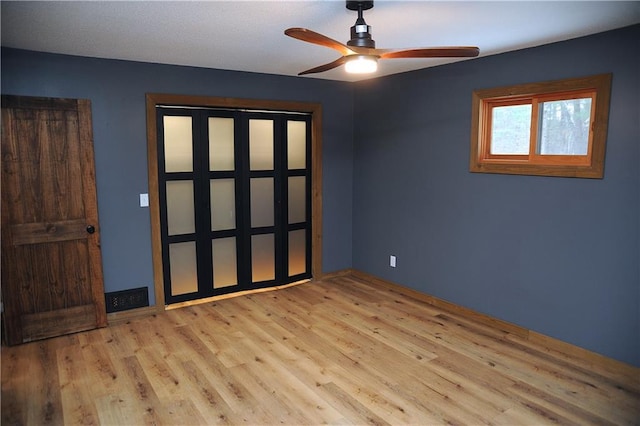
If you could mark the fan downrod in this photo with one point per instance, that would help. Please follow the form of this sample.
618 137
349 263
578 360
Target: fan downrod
361 32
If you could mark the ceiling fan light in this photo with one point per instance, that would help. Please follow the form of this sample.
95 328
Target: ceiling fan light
362 64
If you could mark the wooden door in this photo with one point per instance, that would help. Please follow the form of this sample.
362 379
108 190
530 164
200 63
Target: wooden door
51 265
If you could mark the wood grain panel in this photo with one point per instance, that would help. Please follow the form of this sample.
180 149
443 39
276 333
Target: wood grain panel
46 232
90 204
46 324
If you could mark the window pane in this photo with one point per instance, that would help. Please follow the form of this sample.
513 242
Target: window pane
564 127
178 153
223 204
261 144
224 262
296 144
180 215
297 252
510 130
182 261
262 258
297 201
220 143
261 202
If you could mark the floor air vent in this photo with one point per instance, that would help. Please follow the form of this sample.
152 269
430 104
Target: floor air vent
117 301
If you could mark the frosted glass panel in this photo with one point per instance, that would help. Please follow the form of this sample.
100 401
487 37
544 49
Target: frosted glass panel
261 144
178 152
224 262
297 252
182 261
261 202
180 215
223 204
296 144
262 258
221 143
297 204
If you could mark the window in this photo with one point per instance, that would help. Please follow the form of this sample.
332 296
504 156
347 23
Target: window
556 128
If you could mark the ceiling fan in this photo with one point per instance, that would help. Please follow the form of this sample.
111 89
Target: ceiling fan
360 55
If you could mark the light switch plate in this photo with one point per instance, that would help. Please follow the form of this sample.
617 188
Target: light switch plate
144 200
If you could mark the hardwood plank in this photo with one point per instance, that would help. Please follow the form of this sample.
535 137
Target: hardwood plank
46 393
16 384
183 411
549 377
101 370
147 402
352 374
233 392
444 305
77 404
118 409
527 395
338 351
591 361
281 410
347 404
297 390
204 395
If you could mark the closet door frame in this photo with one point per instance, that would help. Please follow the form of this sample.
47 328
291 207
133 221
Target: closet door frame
154 100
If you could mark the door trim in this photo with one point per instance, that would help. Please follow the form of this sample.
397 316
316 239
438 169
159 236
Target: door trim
155 99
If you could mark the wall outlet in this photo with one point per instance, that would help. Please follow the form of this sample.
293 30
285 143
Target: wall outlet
392 261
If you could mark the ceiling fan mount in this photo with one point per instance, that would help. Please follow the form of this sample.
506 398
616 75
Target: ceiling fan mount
360 55
357 5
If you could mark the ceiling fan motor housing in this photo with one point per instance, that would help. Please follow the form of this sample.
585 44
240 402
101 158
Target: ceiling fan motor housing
361 36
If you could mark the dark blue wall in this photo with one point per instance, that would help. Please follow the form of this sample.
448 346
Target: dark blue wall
556 255
560 256
117 92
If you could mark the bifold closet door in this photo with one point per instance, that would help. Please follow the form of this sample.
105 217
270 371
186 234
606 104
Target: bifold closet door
235 206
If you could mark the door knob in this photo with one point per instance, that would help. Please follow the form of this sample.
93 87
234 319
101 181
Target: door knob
91 229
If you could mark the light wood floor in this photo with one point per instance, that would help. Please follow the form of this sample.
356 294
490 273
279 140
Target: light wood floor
340 351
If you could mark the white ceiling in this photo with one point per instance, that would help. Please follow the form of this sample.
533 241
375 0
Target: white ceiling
248 35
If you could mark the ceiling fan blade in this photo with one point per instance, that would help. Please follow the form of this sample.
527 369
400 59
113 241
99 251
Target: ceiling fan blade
431 52
325 67
319 39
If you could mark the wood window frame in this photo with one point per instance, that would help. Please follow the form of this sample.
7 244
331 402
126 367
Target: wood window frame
155 99
598 87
